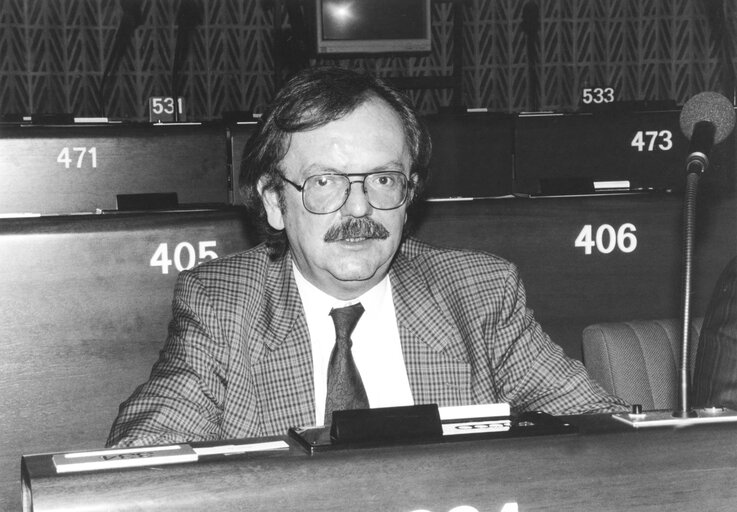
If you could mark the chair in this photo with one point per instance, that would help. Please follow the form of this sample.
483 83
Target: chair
638 360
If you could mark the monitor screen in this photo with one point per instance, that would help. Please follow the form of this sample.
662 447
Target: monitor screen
373 26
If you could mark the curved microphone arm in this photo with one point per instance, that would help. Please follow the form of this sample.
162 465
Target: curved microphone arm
684 409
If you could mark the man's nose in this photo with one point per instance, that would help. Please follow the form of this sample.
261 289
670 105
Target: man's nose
357 204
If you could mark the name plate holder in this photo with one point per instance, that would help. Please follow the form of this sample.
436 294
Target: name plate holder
424 424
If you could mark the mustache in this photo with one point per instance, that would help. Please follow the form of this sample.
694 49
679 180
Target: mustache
362 227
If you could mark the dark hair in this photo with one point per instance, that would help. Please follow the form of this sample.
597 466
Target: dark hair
311 99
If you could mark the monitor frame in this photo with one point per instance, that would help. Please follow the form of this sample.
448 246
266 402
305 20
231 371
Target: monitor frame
372 46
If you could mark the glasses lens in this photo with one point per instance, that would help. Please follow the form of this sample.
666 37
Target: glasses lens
326 193
386 190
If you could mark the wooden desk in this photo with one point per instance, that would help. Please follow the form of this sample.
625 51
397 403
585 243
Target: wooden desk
604 467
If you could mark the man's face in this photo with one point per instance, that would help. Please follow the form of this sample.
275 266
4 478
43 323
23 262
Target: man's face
369 139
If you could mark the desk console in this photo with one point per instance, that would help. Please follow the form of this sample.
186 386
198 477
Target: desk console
605 467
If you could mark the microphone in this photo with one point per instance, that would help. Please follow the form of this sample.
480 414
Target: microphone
706 119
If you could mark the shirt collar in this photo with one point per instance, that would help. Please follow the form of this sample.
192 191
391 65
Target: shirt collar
314 299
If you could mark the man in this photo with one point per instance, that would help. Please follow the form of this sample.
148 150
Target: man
332 170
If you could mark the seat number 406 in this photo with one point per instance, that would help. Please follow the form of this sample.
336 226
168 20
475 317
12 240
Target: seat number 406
605 238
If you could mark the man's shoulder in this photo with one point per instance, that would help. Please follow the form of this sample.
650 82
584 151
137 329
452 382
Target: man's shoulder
237 282
251 265
443 259
253 257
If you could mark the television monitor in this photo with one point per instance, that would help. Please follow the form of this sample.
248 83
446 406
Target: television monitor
373 26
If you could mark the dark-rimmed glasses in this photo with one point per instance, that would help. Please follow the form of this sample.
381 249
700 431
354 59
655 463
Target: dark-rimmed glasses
327 193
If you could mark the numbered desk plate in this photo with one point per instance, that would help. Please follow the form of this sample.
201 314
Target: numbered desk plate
597 96
166 109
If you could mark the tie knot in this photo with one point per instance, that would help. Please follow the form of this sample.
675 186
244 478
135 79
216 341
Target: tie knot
345 320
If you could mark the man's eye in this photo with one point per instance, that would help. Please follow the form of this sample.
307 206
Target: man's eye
385 181
323 181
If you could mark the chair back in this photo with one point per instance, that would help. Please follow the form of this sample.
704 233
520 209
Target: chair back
639 360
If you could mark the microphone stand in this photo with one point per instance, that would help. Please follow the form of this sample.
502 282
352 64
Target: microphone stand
702 139
684 414
693 175
703 136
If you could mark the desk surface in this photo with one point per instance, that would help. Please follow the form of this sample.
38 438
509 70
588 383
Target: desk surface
604 467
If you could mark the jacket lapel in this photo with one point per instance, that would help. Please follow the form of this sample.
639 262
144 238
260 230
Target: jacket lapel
281 354
434 352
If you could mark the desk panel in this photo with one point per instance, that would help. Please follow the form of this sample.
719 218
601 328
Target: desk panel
83 315
603 468
472 154
565 153
572 283
78 168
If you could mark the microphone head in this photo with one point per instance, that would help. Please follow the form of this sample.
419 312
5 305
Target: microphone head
711 107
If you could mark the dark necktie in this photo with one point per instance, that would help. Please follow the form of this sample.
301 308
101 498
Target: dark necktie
345 388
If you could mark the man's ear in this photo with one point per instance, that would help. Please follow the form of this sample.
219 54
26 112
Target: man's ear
272 204
414 178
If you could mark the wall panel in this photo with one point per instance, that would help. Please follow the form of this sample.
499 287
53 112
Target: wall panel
54 54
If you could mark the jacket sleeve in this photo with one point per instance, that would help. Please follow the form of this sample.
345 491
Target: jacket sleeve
183 398
532 372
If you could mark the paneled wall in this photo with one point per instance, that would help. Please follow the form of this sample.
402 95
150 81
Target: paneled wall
53 54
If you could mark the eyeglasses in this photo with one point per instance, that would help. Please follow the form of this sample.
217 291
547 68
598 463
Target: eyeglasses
327 193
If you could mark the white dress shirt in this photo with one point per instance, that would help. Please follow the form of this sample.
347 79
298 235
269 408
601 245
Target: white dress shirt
377 350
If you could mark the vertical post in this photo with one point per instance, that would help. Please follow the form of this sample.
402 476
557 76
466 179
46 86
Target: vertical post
277 8
457 99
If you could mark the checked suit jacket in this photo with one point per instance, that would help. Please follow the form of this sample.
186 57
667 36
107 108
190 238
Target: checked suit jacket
237 361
